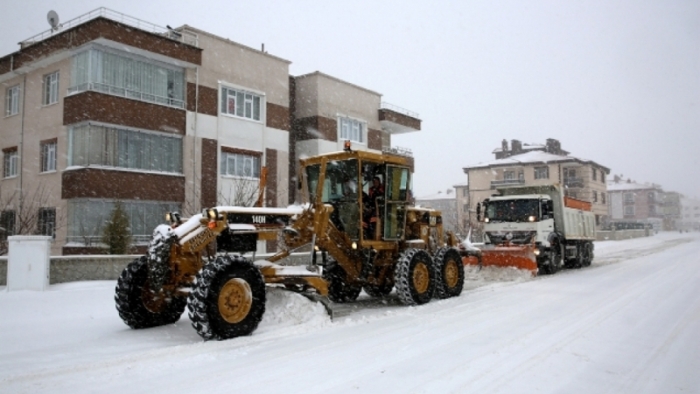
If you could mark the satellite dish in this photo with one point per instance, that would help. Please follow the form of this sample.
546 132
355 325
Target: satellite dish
52 17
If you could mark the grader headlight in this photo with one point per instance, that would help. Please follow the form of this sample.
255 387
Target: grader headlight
212 214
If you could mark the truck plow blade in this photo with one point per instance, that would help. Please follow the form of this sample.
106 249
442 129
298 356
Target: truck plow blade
521 257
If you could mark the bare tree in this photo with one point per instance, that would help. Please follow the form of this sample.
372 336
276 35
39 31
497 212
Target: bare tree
22 211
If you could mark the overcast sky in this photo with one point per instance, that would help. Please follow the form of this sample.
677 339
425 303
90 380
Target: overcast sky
617 82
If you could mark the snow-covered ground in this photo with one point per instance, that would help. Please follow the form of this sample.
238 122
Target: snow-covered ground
628 324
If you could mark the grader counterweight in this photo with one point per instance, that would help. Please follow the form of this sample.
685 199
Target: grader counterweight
357 223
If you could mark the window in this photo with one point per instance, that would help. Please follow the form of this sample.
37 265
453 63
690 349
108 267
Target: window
351 129
12 101
47 222
465 208
240 164
48 156
98 145
465 192
50 89
602 176
508 175
86 219
595 196
7 224
240 103
10 162
629 210
602 198
629 198
595 174
541 172
123 75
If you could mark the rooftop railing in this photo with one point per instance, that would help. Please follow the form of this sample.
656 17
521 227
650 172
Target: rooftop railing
181 36
396 108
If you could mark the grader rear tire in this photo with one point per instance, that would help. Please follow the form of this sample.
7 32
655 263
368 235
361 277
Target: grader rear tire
414 277
339 290
138 305
228 299
449 272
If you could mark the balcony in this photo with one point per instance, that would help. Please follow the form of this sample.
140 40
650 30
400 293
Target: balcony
397 120
507 182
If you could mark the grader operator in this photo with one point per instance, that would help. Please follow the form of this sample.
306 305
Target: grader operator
358 239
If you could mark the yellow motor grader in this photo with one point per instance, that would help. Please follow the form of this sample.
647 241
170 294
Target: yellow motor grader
358 238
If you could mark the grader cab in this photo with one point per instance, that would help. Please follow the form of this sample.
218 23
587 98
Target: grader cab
357 222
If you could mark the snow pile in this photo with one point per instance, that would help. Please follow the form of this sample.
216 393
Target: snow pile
472 273
286 308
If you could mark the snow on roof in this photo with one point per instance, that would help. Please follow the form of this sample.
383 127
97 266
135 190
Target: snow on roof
439 196
624 185
530 158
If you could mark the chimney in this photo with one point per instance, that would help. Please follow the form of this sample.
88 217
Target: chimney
553 146
504 145
516 146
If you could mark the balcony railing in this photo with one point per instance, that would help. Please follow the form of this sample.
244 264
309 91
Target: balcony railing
181 36
397 109
573 182
507 182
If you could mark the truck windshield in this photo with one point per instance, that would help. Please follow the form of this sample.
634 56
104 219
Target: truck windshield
340 183
513 210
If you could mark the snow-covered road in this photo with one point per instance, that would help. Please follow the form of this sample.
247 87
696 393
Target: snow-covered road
628 324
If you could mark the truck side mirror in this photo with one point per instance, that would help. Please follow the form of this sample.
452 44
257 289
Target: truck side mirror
478 212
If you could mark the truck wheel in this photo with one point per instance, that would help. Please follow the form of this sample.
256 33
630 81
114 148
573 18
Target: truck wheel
555 261
339 290
449 273
228 299
414 277
138 305
587 254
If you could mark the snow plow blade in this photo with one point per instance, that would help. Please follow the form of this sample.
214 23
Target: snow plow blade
517 256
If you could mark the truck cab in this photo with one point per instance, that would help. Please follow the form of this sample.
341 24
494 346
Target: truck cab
518 219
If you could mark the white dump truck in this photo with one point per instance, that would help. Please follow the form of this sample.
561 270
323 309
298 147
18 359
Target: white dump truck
537 228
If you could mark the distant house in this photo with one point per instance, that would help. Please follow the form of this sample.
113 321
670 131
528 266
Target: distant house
537 165
690 215
635 202
447 204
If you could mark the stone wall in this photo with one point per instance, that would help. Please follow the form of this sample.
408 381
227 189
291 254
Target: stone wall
621 234
106 267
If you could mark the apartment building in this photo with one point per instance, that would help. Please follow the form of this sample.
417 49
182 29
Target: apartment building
636 202
111 108
537 165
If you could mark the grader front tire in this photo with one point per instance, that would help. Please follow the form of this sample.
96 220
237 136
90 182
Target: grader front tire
339 290
228 299
138 305
414 277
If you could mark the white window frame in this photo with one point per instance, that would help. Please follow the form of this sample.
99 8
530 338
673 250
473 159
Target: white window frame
48 156
230 169
352 129
12 101
50 93
246 109
10 163
629 210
